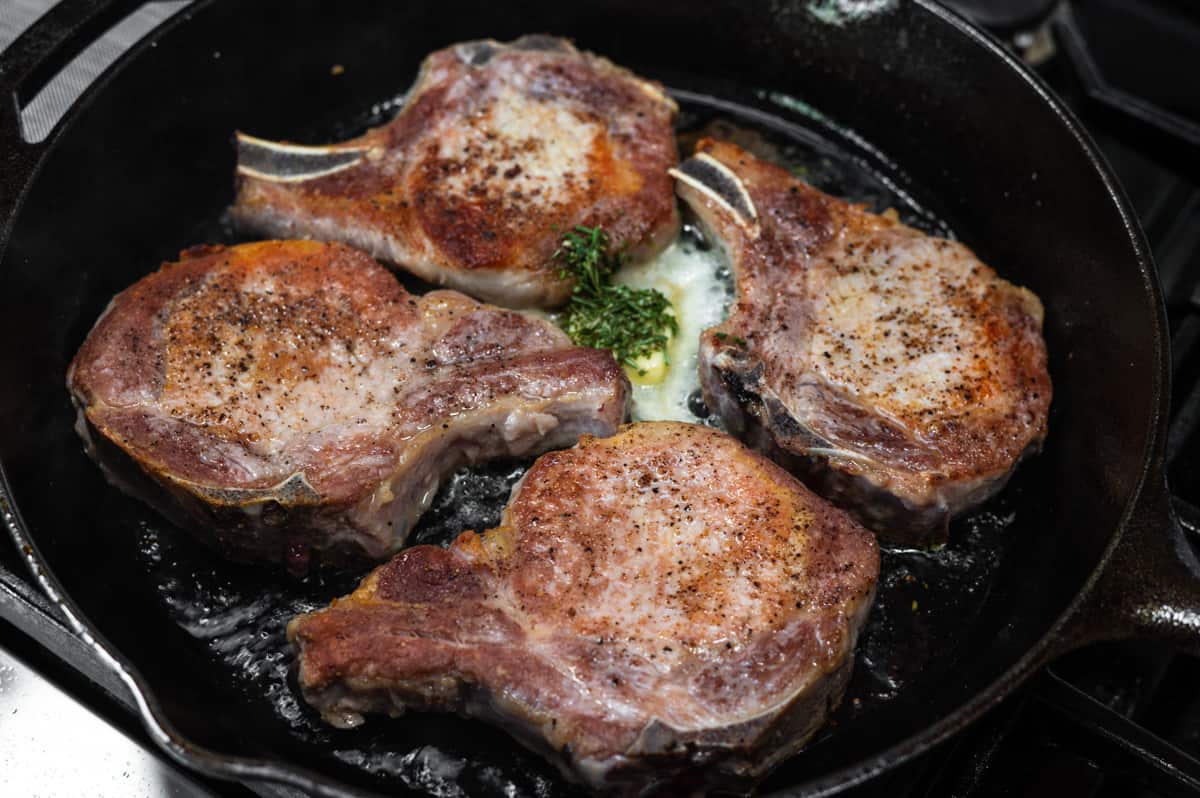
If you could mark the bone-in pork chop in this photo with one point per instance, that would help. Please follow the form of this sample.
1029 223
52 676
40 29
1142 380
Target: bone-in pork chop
294 399
893 371
661 607
497 150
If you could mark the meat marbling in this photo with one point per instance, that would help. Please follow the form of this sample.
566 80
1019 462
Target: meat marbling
660 607
893 371
294 399
497 150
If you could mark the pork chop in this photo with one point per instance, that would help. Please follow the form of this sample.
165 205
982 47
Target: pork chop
663 607
497 150
891 370
294 399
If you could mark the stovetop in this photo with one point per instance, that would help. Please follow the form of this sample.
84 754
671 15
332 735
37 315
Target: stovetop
1110 720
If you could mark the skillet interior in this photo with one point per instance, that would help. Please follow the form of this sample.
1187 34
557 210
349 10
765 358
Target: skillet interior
144 169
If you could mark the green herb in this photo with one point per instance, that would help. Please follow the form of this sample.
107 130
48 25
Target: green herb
632 322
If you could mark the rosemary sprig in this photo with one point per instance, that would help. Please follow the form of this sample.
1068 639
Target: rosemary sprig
632 322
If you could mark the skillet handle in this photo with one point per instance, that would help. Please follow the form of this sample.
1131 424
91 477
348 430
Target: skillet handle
26 65
1149 586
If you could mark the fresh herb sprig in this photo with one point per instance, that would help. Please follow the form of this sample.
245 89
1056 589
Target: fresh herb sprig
633 322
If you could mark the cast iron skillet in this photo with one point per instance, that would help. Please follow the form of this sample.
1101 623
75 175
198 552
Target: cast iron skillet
1092 551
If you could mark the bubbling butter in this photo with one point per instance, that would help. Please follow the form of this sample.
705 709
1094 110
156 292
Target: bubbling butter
697 282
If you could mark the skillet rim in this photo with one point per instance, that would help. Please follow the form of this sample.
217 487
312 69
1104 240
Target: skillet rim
240 768
1150 477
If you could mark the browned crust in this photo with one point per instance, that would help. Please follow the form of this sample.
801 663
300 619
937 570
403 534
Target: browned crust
916 471
273 329
455 629
141 348
459 219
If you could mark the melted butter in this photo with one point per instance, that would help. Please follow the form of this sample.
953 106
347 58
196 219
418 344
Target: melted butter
649 369
697 283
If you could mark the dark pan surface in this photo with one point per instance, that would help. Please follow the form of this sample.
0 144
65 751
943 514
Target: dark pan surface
126 188
237 615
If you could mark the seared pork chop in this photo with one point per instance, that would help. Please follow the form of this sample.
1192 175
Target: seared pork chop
498 149
662 607
294 399
893 371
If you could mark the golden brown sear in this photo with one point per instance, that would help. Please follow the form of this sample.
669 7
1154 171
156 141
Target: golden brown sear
498 150
291 399
662 604
893 371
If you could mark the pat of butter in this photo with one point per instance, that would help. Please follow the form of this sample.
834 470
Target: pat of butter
649 369
652 369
